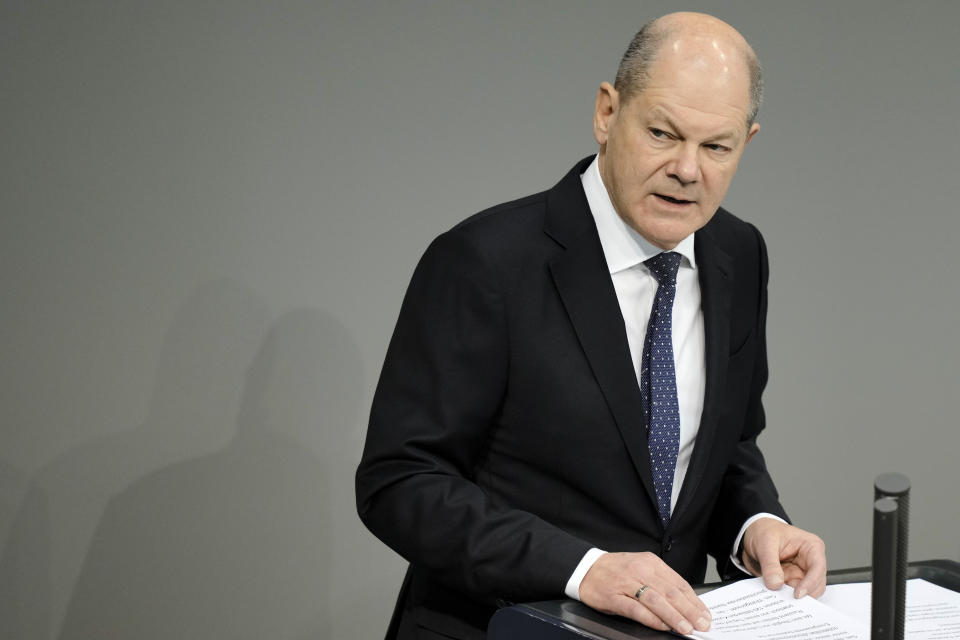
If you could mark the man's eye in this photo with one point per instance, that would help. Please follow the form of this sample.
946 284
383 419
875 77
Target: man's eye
658 133
718 147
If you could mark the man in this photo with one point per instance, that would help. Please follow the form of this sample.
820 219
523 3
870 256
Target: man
580 371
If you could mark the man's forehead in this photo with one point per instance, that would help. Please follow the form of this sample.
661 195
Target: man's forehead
703 63
703 77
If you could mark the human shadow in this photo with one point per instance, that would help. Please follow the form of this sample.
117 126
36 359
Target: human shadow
238 543
202 360
13 484
24 578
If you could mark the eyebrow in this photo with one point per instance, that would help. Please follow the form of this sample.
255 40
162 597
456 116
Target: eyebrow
657 113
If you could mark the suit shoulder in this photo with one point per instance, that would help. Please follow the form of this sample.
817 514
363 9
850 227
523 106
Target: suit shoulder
500 231
515 215
495 244
734 233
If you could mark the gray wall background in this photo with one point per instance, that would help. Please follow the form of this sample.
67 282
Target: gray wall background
209 212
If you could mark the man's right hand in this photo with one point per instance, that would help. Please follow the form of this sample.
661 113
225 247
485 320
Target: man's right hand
667 603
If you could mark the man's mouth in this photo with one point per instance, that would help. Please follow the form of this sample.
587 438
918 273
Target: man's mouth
673 200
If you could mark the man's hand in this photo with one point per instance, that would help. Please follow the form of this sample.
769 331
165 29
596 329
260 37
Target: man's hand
782 553
667 603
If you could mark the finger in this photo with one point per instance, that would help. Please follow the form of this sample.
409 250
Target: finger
814 581
682 597
678 605
636 611
768 557
612 582
657 605
685 600
792 574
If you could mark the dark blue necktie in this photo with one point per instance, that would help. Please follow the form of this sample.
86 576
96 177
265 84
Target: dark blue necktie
658 381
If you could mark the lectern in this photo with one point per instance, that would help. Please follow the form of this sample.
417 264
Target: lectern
570 620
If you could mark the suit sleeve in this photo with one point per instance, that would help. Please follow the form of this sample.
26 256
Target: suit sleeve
438 398
747 486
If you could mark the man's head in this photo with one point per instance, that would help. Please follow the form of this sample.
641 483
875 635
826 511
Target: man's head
672 130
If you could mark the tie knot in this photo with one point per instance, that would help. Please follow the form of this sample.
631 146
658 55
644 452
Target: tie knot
664 266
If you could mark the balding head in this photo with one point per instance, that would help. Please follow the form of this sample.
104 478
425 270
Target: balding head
700 39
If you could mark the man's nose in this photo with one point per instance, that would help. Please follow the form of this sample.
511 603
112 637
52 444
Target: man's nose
685 166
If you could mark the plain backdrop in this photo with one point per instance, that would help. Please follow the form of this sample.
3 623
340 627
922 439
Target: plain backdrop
209 212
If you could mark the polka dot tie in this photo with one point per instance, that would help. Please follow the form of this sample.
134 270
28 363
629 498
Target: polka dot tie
658 381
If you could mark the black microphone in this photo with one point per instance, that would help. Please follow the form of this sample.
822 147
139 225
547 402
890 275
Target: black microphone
896 486
884 589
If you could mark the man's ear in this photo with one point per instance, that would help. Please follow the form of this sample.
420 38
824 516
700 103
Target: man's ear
753 131
605 111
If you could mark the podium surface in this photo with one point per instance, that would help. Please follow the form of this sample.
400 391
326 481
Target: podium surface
571 620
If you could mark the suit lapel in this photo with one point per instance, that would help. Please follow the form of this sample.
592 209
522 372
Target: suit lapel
716 275
583 281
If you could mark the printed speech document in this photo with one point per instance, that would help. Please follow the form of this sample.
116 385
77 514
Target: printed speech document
932 612
747 610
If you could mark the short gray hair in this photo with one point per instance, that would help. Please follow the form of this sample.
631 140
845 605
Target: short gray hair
634 69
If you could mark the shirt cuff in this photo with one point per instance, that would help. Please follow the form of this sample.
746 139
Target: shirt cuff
573 584
734 556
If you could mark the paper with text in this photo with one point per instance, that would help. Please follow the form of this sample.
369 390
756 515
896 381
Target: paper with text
932 612
747 610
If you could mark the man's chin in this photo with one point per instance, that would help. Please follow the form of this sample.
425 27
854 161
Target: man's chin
673 230
667 237
667 228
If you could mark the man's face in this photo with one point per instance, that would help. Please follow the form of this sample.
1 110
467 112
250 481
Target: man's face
668 153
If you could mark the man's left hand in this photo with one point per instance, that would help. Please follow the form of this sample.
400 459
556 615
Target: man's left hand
782 553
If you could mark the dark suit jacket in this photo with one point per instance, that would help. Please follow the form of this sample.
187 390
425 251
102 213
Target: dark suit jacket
505 436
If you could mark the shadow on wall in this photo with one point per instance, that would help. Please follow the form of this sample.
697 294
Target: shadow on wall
238 543
13 484
28 575
204 354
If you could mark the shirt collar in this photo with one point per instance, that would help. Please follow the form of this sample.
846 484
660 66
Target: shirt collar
623 247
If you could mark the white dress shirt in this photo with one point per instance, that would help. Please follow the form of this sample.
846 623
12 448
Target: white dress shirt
625 251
